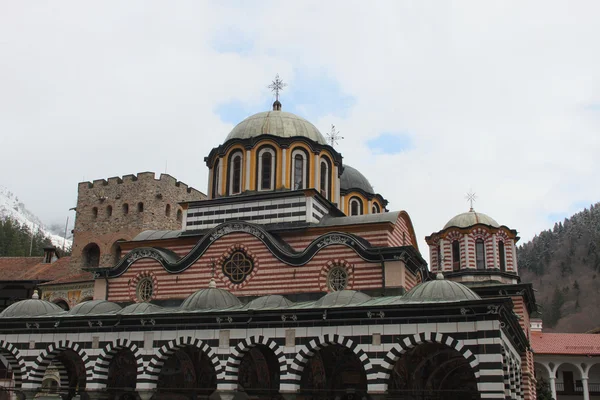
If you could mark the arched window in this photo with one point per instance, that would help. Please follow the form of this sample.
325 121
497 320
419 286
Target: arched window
216 181
375 209
108 211
116 251
179 215
95 212
502 256
91 255
140 207
235 173
439 257
266 169
168 210
480 253
125 209
356 206
455 255
325 178
299 169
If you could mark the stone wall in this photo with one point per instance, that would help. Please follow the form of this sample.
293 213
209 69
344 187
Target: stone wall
117 209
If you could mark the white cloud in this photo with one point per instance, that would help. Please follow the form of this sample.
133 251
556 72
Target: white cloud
497 96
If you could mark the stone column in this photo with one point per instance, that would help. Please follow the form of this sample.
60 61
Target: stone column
586 389
495 250
553 385
283 167
466 240
441 267
247 185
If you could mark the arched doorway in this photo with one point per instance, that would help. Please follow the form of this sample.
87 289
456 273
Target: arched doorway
334 372
433 371
259 373
116 251
122 375
568 379
72 373
91 255
187 374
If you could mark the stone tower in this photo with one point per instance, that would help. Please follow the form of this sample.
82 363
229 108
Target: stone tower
115 210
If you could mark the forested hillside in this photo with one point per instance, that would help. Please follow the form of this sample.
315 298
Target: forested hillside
564 266
15 240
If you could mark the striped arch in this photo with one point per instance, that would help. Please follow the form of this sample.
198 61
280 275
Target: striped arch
301 359
163 354
389 361
233 363
49 354
106 356
15 361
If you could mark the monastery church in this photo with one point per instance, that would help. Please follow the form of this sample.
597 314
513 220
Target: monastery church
290 279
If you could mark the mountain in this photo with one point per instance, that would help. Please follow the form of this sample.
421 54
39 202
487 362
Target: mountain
564 266
11 207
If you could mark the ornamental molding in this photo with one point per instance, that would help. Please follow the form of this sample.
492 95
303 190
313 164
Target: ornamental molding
236 227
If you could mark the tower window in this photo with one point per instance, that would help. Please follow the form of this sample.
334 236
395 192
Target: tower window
502 256
125 209
235 174
325 179
356 206
266 169
140 207
216 180
480 253
168 210
455 255
299 169
95 212
91 255
375 209
179 215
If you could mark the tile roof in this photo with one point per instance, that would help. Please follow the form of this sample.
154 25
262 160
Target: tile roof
34 269
81 277
565 343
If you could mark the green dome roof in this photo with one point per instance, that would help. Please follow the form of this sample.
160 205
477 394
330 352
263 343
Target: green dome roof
31 308
211 298
276 123
438 291
471 218
95 307
342 298
352 179
271 301
141 308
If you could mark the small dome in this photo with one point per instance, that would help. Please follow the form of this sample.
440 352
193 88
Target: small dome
210 299
276 123
141 308
31 308
352 179
271 301
439 290
471 218
342 298
95 307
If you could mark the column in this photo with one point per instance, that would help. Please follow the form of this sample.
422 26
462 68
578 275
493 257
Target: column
553 385
495 250
440 253
514 256
466 240
283 167
316 174
247 185
586 389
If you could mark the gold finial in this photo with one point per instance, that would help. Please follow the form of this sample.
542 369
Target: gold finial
471 197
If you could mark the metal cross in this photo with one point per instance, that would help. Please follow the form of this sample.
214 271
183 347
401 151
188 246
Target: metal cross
471 197
276 86
333 136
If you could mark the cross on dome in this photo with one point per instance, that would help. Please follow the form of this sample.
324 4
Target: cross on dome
471 198
333 136
277 86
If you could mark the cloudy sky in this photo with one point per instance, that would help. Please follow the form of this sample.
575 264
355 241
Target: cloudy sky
433 98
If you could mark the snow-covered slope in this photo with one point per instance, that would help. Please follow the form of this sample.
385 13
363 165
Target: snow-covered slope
10 207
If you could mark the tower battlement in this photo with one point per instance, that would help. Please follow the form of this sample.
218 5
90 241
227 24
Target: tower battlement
141 177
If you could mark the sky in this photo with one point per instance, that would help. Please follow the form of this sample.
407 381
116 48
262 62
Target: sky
433 99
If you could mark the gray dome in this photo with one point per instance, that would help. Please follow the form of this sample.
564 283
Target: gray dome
439 290
471 218
271 301
342 298
141 308
352 179
95 307
31 308
276 123
210 299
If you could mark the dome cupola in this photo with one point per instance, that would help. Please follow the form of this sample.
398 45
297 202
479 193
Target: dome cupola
268 302
33 307
352 179
95 307
471 218
342 298
439 290
211 298
357 195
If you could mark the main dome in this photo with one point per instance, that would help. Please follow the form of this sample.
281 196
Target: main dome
352 179
471 218
277 123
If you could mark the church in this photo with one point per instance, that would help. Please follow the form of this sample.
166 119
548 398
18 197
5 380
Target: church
289 279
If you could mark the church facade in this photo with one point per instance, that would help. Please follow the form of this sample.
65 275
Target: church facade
291 279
